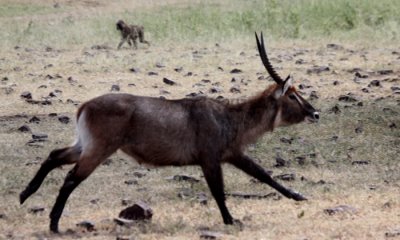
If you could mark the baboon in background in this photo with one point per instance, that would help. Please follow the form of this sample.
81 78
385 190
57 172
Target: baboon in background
130 33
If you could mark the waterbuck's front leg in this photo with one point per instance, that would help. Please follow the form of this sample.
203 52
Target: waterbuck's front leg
248 165
213 175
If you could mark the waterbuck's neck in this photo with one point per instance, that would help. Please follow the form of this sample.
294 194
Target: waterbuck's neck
254 117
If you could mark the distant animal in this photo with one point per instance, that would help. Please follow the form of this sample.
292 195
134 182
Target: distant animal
130 33
197 131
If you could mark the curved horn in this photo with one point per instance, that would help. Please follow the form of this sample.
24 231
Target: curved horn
265 60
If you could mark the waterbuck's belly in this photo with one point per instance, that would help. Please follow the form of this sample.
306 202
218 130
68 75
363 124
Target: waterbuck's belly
161 154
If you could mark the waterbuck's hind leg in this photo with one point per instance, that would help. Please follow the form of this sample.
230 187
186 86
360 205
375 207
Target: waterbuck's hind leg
56 159
87 163
247 165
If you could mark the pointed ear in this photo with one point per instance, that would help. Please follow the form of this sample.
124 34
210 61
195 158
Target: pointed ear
282 89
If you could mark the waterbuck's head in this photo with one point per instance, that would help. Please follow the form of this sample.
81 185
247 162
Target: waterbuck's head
292 108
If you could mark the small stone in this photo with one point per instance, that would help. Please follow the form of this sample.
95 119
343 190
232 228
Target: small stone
359 129
178 69
24 128
210 235
139 211
385 72
168 81
152 73
235 89
36 210
392 234
280 162
37 136
215 90
318 69
359 162
286 177
374 83
64 119
202 198
300 160
347 98
87 225
392 125
340 209
115 88
286 140
236 70
26 95
160 65
334 46
186 178
335 109
134 70
34 119
131 182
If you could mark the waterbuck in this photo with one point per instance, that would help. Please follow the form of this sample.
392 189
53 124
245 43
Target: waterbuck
197 131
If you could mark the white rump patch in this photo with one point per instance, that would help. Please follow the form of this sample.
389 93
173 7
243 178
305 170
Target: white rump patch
84 138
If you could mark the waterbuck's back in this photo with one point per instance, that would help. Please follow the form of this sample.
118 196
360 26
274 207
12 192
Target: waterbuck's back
153 130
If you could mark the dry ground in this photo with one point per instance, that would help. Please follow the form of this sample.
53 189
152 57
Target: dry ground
350 158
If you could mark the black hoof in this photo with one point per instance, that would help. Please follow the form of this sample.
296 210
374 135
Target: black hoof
23 196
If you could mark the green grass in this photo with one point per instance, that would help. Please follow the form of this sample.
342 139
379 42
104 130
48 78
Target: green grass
210 21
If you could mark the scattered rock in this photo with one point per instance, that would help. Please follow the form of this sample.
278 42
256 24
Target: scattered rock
38 102
24 128
152 73
313 95
299 61
26 95
202 198
168 81
215 90
39 136
347 98
178 69
64 119
334 46
358 129
385 72
340 209
235 89
184 178
392 125
286 140
36 210
301 160
236 70
374 83
160 65
318 69
280 162
134 70
34 119
115 88
394 233
210 235
286 177
139 211
359 162
252 195
335 109
131 182
100 47
86 225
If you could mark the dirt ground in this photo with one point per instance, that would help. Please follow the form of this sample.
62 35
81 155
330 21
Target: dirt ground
347 164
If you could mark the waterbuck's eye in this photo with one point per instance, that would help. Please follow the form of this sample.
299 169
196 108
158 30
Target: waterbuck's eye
291 96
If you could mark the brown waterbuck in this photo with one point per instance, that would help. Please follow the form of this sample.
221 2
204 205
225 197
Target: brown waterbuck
196 131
